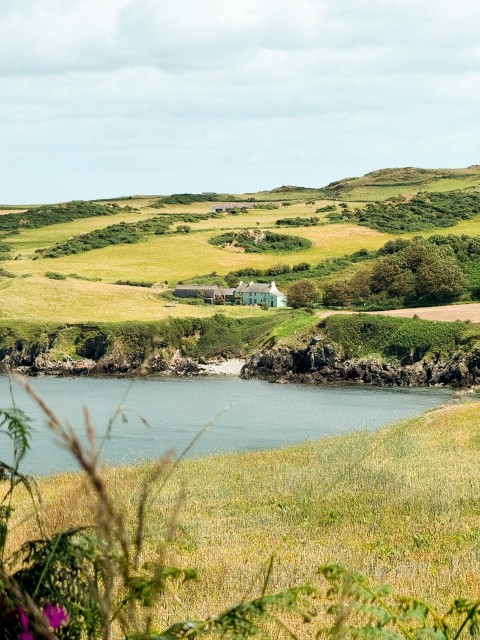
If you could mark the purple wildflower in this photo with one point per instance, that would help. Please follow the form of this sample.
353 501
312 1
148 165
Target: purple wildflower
56 615
26 634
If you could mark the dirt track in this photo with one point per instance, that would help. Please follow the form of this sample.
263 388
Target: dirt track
449 313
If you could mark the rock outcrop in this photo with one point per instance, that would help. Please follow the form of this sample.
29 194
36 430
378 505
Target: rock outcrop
321 363
37 360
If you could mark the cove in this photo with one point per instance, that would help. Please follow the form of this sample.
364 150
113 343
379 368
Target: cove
160 414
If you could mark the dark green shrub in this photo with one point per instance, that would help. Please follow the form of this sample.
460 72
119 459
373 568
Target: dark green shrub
261 242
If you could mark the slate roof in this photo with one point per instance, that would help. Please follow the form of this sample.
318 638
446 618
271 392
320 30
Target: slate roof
259 287
210 289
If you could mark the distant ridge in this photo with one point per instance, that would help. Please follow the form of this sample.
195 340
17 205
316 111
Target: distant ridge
384 183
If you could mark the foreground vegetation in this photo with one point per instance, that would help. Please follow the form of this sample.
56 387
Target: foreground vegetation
388 504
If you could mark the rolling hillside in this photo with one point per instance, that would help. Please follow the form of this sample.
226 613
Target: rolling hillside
387 183
160 240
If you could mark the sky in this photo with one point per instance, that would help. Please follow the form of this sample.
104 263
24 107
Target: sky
105 98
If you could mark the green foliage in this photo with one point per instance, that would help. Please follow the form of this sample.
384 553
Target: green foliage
5 250
366 612
54 275
269 206
134 283
189 198
55 214
404 339
298 222
261 241
122 233
302 294
137 341
60 570
302 270
229 337
249 619
422 272
6 274
422 212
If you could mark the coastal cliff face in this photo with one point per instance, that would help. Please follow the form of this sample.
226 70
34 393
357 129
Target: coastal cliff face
320 362
176 347
378 350
37 360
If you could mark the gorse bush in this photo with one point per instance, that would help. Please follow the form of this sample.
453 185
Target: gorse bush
121 233
298 222
55 214
423 211
255 241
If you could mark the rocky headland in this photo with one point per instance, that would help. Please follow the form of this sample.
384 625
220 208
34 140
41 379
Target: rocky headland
321 362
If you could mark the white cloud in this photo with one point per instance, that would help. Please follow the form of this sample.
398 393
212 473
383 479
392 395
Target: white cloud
306 88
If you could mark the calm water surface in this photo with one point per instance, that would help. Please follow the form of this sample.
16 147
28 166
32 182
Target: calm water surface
256 414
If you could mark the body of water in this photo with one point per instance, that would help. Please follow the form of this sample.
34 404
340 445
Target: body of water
252 414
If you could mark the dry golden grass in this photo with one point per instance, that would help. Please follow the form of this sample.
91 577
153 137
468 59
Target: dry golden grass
73 300
30 239
400 505
175 257
163 258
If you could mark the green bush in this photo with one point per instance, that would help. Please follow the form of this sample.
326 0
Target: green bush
261 242
399 338
423 211
298 222
55 214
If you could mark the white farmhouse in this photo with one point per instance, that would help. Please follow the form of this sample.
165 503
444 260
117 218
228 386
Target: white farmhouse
259 293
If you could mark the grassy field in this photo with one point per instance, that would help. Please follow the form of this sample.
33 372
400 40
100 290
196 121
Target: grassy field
72 300
170 258
388 183
174 257
400 505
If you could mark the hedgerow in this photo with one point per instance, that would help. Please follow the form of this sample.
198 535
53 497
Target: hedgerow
298 222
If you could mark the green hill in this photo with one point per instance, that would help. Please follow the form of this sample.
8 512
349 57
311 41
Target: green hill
387 183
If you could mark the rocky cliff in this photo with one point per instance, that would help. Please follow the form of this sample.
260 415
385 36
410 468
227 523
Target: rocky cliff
320 362
39 358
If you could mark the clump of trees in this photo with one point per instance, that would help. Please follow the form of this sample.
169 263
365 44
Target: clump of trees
421 272
303 293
